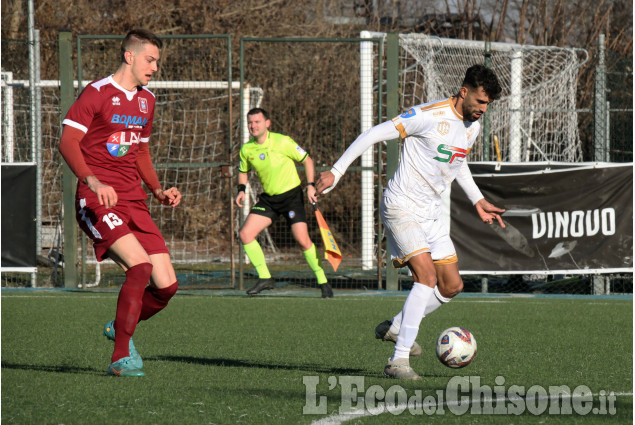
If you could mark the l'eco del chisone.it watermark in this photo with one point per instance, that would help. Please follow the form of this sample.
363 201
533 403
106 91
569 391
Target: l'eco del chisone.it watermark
462 395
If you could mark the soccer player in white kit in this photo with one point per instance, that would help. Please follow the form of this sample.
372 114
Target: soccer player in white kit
437 137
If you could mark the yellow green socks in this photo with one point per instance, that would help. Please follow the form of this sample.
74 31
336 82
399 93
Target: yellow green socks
315 263
257 258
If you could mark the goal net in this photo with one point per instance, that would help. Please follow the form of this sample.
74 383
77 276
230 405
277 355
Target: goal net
534 120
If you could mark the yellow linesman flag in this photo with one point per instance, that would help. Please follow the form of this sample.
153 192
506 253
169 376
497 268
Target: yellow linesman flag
332 252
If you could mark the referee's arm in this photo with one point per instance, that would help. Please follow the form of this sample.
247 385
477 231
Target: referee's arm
309 168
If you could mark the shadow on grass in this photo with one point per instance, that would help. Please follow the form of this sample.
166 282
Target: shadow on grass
245 363
53 368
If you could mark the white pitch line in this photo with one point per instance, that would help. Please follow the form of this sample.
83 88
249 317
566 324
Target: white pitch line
360 413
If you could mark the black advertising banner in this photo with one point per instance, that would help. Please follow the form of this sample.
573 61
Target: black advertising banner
18 215
563 220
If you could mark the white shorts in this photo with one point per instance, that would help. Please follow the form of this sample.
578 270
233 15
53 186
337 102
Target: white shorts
409 234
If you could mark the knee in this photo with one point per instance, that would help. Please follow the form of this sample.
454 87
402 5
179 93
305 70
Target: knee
244 237
141 271
165 294
451 289
428 279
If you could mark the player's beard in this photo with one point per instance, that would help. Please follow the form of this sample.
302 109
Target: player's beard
472 116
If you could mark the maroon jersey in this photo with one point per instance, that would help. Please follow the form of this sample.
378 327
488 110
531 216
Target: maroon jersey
115 121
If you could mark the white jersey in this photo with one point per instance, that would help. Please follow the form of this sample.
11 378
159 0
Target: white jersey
436 141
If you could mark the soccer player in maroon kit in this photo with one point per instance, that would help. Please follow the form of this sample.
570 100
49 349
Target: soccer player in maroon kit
105 141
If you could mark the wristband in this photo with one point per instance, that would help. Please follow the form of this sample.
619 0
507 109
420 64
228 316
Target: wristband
310 184
241 187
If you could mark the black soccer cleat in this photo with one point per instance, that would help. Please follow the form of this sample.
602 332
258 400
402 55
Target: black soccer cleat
327 291
261 286
382 331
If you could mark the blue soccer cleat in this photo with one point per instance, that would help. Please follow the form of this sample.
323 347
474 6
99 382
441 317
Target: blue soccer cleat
109 332
124 367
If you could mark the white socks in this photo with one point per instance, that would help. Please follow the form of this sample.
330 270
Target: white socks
437 301
412 313
421 301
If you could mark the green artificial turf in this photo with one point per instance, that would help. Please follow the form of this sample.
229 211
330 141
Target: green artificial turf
213 359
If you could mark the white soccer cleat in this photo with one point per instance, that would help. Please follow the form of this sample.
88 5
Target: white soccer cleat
400 369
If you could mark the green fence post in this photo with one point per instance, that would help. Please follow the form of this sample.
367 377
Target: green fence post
600 113
392 148
69 181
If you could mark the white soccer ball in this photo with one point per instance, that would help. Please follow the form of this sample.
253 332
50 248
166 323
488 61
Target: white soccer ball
456 347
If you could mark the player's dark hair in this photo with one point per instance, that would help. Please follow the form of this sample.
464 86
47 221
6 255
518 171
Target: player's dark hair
256 111
139 35
481 76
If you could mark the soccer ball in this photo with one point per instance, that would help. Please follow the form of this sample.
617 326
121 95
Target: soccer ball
456 347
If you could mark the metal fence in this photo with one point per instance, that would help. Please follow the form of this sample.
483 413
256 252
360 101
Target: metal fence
311 87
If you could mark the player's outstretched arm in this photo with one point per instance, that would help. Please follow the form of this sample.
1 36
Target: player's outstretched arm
489 212
381 132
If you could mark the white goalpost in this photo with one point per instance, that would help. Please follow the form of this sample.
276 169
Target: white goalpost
534 120
538 102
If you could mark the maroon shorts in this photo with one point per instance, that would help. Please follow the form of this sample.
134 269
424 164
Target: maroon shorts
105 225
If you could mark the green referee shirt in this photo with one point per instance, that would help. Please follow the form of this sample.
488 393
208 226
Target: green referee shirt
273 161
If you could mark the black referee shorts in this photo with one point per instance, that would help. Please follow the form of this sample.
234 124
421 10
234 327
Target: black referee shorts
290 204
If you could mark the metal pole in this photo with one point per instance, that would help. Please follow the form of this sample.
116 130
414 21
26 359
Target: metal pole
600 113
244 132
7 117
380 80
33 128
67 97
515 143
38 147
607 137
484 285
230 161
600 139
367 175
486 123
392 148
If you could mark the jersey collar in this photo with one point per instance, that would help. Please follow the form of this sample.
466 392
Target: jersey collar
266 143
129 94
451 100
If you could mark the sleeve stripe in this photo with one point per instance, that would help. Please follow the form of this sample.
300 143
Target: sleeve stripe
75 125
402 130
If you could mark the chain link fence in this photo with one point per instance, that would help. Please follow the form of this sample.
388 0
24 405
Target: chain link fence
311 88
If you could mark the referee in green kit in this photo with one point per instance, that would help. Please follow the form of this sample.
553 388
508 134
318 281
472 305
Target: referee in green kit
272 156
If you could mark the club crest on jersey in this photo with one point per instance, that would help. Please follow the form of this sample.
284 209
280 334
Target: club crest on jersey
450 153
119 143
443 128
262 156
143 105
409 113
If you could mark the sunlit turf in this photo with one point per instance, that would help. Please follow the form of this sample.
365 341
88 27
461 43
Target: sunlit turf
233 359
